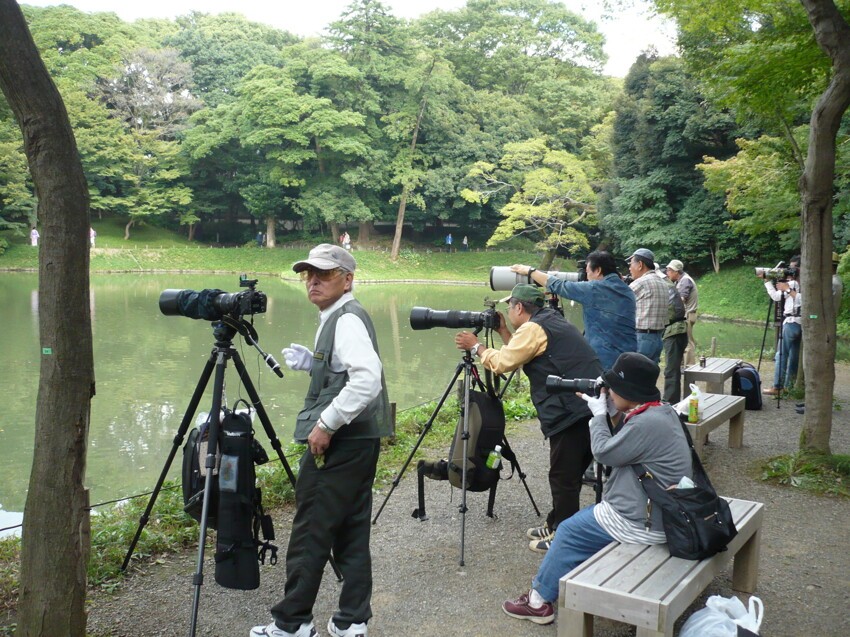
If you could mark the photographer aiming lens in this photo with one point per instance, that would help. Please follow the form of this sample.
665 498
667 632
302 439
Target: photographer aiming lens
608 304
544 343
783 288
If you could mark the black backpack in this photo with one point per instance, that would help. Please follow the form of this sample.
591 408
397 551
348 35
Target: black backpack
486 430
675 305
746 382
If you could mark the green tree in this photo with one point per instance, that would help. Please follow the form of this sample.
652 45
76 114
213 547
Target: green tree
551 201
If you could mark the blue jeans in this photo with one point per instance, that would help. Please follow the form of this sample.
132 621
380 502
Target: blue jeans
577 538
788 356
650 345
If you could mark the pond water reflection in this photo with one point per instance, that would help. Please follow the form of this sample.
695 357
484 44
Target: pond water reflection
147 365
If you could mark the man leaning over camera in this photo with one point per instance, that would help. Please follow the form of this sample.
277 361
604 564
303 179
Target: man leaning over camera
607 302
787 293
651 302
345 414
545 343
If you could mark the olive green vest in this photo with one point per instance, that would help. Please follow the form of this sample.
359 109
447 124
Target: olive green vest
325 385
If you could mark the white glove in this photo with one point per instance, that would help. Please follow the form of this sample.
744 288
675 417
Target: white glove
598 404
298 357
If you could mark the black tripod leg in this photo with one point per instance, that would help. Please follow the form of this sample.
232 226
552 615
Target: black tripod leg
178 440
419 513
257 403
212 447
425 431
467 377
507 452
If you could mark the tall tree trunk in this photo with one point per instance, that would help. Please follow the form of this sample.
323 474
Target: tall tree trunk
548 259
832 34
271 239
402 205
127 229
55 531
335 232
364 232
191 232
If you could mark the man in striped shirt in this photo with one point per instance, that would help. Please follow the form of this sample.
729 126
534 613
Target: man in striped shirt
647 432
650 303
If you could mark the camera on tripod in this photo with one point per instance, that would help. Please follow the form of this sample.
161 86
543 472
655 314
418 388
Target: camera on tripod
779 272
423 318
214 304
589 386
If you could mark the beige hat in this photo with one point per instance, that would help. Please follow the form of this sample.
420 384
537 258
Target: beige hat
326 256
676 265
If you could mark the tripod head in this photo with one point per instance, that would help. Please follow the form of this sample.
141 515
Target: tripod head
230 325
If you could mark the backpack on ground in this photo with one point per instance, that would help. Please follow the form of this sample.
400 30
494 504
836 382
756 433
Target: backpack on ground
746 382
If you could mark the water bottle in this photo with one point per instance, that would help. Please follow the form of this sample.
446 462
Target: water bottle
693 407
494 458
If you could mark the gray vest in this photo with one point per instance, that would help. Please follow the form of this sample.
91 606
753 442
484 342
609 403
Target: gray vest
325 385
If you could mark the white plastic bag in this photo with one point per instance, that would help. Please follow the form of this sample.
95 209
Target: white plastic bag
722 616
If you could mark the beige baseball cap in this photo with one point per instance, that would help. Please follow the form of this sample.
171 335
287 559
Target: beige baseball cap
327 256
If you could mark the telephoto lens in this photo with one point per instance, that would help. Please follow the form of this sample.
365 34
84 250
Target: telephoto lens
501 277
423 318
558 385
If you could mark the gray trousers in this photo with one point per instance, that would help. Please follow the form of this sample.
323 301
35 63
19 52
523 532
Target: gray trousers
333 511
674 351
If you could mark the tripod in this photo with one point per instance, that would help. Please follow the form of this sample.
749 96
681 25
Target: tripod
776 309
469 371
222 351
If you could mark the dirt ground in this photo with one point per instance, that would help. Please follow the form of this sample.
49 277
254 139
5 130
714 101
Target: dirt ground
420 588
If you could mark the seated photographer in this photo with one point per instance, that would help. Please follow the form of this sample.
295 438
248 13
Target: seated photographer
545 343
786 292
608 304
650 434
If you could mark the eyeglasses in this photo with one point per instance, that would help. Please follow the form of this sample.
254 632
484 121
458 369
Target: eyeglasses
322 275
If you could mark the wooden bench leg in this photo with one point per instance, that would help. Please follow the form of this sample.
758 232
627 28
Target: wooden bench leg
646 632
736 431
714 388
574 623
699 442
745 570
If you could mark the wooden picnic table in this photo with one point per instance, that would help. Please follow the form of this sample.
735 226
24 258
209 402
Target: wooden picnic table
714 374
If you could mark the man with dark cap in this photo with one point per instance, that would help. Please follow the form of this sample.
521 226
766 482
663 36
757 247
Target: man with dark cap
650 434
651 312
544 343
345 414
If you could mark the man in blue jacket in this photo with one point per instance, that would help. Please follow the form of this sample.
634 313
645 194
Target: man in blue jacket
608 304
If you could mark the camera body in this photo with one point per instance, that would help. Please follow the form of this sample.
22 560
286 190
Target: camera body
213 304
423 318
589 386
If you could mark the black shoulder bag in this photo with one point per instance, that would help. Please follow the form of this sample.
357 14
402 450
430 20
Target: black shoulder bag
697 522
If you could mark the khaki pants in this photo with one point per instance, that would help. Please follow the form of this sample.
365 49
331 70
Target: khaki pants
691 349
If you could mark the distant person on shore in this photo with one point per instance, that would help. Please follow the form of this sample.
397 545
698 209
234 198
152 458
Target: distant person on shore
345 414
34 236
449 242
92 236
648 432
346 240
465 243
687 289
608 304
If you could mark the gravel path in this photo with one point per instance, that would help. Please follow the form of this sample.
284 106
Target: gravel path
420 589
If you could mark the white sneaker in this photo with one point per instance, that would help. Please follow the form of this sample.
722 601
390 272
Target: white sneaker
355 630
306 630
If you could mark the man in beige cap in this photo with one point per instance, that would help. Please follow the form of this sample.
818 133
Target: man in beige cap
545 343
687 289
345 414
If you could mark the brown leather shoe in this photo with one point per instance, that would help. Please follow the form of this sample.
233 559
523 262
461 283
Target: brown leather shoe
771 391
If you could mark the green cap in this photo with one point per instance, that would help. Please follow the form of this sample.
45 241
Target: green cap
526 292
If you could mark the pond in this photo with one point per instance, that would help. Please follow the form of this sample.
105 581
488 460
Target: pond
147 366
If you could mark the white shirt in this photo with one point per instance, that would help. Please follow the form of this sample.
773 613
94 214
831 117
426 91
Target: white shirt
791 303
352 353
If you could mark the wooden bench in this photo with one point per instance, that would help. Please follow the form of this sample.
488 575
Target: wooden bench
645 587
717 409
714 374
